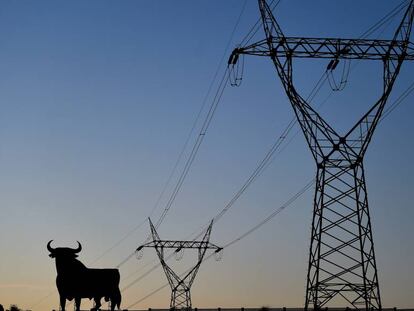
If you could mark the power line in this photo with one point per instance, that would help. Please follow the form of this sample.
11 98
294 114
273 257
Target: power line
398 101
385 19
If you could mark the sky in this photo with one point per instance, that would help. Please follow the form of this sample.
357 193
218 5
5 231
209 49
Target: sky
97 99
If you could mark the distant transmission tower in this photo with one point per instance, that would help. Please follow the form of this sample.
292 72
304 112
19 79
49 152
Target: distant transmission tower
342 259
180 285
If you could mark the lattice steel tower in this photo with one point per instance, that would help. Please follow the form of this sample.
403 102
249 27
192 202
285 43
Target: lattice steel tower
342 259
180 284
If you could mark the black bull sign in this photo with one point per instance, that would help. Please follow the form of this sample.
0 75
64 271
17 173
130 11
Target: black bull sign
75 281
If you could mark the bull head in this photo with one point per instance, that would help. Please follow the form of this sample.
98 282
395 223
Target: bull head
63 251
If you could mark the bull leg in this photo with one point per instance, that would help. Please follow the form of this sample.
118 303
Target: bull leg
62 302
112 303
116 300
78 303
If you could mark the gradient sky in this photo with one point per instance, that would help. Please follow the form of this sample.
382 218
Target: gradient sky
96 101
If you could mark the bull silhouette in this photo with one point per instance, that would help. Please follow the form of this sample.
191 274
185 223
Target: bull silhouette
75 281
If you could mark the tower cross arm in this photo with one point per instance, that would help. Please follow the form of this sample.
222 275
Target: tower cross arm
331 48
180 245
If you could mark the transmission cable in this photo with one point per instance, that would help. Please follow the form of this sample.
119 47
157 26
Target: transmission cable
385 19
398 101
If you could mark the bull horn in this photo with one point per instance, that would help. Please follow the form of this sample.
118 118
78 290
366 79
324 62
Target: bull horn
78 249
50 248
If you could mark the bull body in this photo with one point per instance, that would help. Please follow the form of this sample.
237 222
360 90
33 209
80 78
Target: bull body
75 281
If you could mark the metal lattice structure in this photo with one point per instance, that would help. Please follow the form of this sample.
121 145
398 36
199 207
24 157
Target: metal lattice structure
180 284
342 258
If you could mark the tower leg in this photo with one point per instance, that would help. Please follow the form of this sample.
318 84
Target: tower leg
341 259
180 298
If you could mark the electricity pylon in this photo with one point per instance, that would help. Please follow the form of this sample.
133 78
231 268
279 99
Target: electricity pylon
180 284
341 259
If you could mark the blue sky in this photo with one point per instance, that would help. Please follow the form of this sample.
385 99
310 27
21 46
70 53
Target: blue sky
97 99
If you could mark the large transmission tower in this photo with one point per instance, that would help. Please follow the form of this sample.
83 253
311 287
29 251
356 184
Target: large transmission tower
180 284
341 259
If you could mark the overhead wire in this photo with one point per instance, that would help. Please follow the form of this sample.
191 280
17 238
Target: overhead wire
385 19
398 101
